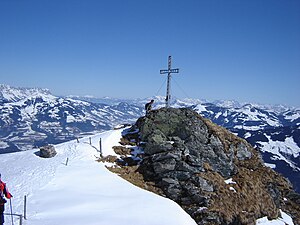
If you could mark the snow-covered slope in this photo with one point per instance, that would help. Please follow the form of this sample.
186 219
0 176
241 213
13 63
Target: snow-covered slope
84 191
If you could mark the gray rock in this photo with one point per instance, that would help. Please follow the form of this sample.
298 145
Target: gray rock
173 193
179 175
274 193
177 140
186 201
173 154
193 161
203 184
215 142
164 166
157 137
183 166
169 181
243 152
151 148
47 151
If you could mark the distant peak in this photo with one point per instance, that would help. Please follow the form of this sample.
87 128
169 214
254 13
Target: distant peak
13 94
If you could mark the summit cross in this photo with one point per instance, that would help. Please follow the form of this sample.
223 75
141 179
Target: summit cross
169 71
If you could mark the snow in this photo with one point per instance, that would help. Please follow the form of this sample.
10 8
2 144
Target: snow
53 113
293 117
278 148
3 144
285 219
232 189
271 165
249 113
70 119
84 191
252 128
227 103
218 115
200 108
247 135
230 181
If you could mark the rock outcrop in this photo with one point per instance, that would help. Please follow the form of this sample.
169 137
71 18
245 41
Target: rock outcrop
47 151
215 176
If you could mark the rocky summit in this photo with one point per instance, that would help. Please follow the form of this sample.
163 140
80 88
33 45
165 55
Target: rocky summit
217 177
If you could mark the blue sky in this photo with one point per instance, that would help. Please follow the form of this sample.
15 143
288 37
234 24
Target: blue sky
241 50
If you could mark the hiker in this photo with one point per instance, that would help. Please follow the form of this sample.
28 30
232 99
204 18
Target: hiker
148 106
3 193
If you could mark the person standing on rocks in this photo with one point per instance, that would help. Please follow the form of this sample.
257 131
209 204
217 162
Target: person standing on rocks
148 106
3 192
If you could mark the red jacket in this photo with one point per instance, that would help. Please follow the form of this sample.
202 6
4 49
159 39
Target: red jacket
4 190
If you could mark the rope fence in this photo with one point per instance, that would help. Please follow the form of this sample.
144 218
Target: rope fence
19 216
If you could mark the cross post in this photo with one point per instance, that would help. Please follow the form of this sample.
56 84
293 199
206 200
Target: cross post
169 71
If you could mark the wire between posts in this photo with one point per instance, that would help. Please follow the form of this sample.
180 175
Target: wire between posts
181 89
161 86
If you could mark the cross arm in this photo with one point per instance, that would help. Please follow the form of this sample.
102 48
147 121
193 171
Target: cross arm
169 71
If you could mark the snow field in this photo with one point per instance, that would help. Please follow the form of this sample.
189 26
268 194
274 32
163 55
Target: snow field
84 191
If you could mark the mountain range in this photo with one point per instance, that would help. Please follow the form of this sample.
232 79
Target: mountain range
32 117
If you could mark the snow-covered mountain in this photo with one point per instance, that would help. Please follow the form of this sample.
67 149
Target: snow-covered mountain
33 117
12 94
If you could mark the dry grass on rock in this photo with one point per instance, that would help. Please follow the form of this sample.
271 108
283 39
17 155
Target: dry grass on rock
248 193
131 174
121 150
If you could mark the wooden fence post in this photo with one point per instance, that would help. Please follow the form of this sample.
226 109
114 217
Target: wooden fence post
100 148
25 207
21 220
